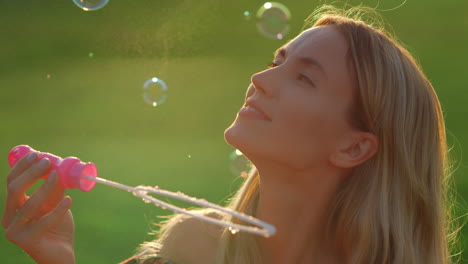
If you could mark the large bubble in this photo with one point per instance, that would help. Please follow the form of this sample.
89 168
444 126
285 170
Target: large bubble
90 5
154 91
273 20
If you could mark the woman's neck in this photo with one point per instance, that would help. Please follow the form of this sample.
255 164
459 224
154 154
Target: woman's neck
297 204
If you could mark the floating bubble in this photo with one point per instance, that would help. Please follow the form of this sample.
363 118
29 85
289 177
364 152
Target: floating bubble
273 20
90 5
239 164
91 54
247 15
48 76
155 91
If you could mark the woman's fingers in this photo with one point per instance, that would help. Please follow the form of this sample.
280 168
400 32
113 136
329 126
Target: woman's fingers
20 184
23 164
17 187
24 231
53 218
32 207
56 194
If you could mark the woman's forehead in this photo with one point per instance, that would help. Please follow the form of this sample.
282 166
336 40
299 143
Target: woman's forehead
325 47
317 37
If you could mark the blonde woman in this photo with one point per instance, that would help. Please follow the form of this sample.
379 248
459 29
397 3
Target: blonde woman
348 142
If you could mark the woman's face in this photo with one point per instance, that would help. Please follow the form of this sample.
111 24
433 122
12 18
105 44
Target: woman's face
296 111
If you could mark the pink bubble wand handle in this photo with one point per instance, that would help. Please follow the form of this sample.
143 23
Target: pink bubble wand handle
72 171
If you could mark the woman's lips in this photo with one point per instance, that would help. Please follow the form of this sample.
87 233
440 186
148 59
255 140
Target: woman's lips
252 111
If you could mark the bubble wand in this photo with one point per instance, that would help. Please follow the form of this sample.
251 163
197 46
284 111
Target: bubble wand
75 174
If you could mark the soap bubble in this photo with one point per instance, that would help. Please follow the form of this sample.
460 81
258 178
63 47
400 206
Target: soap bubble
247 15
91 54
273 20
239 164
155 91
90 5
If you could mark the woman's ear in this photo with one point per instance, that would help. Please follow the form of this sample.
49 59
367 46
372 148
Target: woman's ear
358 149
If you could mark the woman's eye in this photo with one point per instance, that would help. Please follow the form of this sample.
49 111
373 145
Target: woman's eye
306 79
272 65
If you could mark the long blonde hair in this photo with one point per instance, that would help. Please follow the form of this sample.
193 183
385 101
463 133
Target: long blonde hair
394 208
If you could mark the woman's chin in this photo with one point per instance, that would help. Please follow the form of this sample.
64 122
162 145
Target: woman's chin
230 136
237 137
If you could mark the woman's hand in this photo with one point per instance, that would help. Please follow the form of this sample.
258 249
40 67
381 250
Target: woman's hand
42 224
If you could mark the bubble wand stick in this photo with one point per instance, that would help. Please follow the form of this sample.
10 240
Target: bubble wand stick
73 173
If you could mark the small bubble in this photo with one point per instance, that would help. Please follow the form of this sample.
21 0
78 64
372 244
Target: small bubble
91 54
48 76
155 91
189 156
90 5
238 163
273 20
247 15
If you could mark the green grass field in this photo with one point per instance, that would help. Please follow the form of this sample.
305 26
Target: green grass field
206 51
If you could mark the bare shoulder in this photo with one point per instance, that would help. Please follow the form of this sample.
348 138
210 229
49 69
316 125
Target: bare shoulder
188 240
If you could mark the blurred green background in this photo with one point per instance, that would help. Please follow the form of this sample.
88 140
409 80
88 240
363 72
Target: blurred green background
57 98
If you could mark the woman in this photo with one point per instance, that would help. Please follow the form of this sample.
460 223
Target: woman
348 142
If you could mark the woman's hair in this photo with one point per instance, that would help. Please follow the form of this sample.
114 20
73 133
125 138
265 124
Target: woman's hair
395 208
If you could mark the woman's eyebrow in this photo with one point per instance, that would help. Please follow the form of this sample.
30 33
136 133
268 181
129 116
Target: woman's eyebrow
280 52
304 60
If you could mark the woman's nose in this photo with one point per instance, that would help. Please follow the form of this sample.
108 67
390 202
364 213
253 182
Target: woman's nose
263 82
